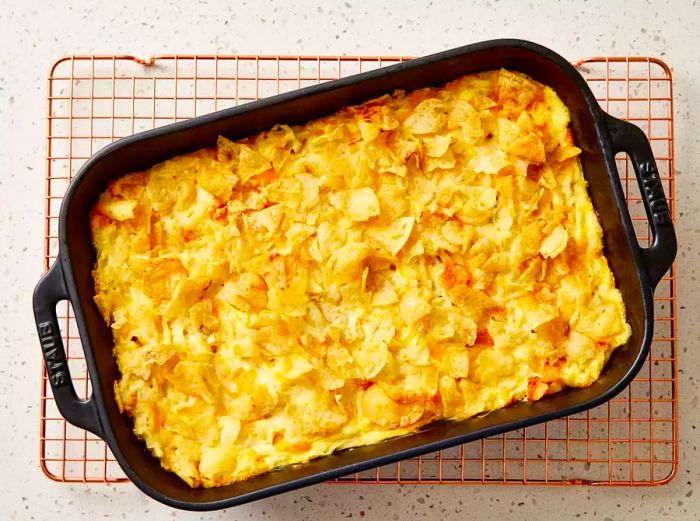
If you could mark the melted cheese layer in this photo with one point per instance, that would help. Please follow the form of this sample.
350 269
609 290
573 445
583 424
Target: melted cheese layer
420 256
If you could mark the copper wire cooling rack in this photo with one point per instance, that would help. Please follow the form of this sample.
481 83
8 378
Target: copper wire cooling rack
632 440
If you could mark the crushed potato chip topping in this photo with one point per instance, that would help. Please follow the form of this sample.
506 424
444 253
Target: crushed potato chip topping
420 256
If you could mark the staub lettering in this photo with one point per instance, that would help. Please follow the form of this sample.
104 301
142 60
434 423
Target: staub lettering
53 357
654 193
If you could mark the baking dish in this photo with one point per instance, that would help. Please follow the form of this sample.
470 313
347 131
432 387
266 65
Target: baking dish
637 271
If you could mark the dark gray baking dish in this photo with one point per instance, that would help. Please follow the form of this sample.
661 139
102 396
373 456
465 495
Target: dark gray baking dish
637 270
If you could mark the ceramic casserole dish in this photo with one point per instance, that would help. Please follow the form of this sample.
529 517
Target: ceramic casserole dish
637 270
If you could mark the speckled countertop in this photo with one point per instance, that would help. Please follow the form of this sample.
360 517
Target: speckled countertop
34 34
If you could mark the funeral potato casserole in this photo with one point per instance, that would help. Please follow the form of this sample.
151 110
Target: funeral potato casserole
421 256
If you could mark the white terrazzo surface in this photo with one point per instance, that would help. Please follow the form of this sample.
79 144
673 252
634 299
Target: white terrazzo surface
34 34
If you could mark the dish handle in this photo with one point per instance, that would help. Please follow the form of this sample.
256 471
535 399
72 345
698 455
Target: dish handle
629 138
50 290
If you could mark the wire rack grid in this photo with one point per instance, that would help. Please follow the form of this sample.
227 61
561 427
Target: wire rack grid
632 440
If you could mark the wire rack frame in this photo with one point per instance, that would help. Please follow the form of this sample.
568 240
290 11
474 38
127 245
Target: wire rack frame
631 440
